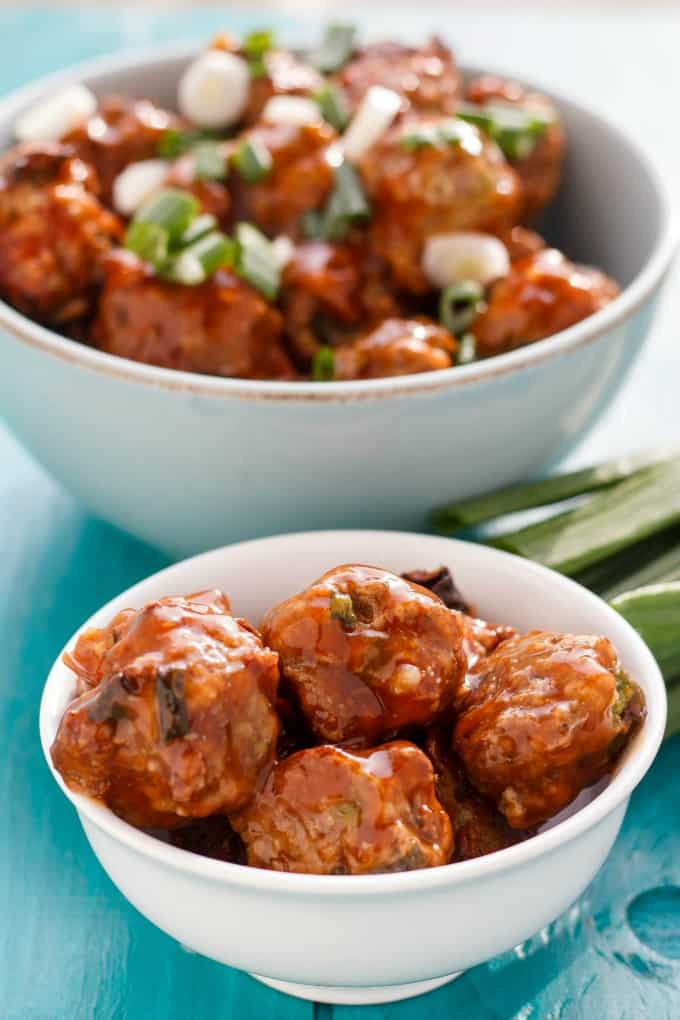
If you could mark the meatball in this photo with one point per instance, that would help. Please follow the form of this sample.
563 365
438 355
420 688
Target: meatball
521 241
54 233
300 179
327 811
541 169
122 131
286 75
180 723
426 76
328 291
222 327
396 347
542 294
365 653
542 717
432 189
478 827
481 637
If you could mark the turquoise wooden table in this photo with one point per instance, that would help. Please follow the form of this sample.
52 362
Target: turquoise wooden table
70 946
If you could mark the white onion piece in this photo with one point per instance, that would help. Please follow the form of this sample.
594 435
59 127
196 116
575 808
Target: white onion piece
213 91
465 255
283 250
374 115
294 110
136 183
52 118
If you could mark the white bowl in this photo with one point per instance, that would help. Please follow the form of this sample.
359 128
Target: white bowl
383 937
189 462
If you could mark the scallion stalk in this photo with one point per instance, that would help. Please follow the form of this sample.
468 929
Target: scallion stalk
252 161
172 209
459 305
654 612
256 262
528 495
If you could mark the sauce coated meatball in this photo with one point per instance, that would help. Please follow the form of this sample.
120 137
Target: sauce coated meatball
179 721
541 718
327 811
426 76
122 131
300 179
328 291
542 294
541 169
433 189
222 327
396 347
365 653
286 75
54 233
477 826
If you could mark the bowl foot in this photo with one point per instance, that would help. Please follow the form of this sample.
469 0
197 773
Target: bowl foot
340 995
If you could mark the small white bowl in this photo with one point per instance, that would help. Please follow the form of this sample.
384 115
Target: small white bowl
189 462
371 938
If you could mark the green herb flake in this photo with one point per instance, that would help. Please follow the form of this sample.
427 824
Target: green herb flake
333 106
210 162
343 610
252 160
149 241
346 207
323 365
255 47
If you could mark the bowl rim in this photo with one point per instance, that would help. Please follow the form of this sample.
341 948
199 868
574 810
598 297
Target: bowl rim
616 793
513 362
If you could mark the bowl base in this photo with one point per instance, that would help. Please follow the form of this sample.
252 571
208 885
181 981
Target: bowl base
340 995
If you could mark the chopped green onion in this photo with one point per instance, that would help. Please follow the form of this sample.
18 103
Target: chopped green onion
194 264
528 495
149 241
467 349
255 260
644 504
184 268
323 365
337 46
333 107
459 304
515 129
172 209
202 225
210 161
346 206
254 47
448 132
252 160
174 142
342 609
654 611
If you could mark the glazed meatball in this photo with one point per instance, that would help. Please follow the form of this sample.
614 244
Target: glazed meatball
121 131
433 189
365 653
480 637
222 327
180 722
426 76
521 241
396 347
328 291
327 811
286 75
542 294
300 179
541 718
54 233
477 826
541 169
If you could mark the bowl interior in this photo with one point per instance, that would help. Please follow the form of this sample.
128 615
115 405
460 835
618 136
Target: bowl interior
609 211
258 574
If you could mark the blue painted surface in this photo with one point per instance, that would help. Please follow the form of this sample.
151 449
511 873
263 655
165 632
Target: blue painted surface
70 947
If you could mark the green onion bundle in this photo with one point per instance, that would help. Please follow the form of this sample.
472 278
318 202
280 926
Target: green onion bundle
619 535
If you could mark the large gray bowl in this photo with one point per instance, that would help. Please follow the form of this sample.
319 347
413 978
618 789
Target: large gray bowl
189 462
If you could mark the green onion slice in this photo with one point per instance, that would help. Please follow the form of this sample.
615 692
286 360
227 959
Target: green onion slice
252 160
515 129
195 263
346 206
172 209
459 305
255 260
337 46
149 241
255 47
174 142
467 349
448 132
210 161
333 106
203 224
323 365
